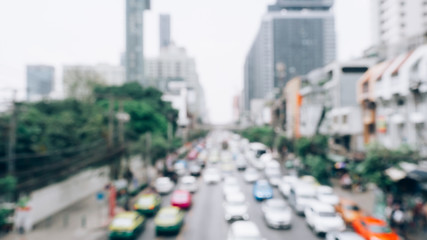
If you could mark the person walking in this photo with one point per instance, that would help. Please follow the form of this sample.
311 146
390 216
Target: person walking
398 220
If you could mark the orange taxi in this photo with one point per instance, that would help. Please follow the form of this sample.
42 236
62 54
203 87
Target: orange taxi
349 210
372 228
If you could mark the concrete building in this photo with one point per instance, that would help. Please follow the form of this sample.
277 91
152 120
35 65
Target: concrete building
40 82
401 102
398 25
172 65
134 40
293 104
294 38
164 30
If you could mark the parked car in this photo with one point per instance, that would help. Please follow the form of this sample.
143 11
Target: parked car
286 184
126 225
322 218
326 194
148 204
189 183
372 228
349 210
251 175
262 190
181 199
277 214
243 230
164 185
343 236
235 207
212 175
169 220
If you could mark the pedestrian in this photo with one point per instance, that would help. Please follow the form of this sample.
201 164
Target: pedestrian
424 217
398 219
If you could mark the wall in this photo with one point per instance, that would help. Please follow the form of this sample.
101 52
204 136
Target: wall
56 197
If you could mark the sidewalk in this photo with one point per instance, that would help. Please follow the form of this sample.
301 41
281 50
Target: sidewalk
86 220
365 200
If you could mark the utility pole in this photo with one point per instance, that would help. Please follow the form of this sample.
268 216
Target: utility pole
12 137
121 125
110 122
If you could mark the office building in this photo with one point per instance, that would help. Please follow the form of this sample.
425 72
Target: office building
294 38
40 81
134 40
164 30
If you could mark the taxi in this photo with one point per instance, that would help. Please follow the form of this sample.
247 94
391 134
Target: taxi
126 225
348 210
374 229
148 204
169 220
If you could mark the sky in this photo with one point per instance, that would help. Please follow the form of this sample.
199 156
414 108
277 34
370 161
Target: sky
218 34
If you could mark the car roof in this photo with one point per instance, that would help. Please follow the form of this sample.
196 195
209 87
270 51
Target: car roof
188 179
245 228
128 215
373 221
169 210
162 179
275 202
321 207
235 196
324 189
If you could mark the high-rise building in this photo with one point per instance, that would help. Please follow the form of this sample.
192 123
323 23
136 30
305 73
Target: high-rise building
164 30
134 40
40 81
294 38
398 25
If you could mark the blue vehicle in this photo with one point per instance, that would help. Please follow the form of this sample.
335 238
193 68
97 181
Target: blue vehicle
262 190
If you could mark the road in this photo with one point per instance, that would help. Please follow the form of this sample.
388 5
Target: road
205 219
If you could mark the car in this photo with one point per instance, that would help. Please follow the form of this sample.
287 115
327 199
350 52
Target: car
371 228
169 220
301 194
273 175
164 185
286 184
180 167
227 169
241 164
251 175
262 190
235 207
309 180
322 218
326 194
188 183
343 236
241 230
181 199
195 170
212 175
230 185
126 225
349 210
148 204
201 162
277 214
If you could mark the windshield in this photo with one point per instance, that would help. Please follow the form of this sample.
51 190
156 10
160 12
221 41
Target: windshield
166 217
379 229
146 201
180 197
327 214
306 196
352 208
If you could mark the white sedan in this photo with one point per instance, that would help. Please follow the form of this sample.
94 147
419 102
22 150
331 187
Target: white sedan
164 185
189 183
322 218
326 194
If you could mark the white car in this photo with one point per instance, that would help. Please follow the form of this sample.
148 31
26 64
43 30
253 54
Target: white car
164 185
322 218
230 187
241 163
301 195
189 183
326 194
212 175
235 207
251 175
343 236
286 184
243 230
277 213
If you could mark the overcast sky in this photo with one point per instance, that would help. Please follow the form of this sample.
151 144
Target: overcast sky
216 33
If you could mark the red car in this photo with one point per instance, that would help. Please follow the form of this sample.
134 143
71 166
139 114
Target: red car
374 229
181 199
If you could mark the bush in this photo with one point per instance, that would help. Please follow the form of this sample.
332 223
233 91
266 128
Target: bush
319 167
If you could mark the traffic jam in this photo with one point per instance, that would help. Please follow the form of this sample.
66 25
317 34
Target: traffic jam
260 199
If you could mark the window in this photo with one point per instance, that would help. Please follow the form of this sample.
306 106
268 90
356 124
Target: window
344 119
365 87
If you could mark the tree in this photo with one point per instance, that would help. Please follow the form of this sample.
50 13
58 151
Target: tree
263 134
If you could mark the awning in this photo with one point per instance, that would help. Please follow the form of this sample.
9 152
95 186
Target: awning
397 119
417 118
419 174
395 174
336 158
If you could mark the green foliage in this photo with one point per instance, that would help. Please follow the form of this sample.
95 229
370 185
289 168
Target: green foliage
7 185
263 134
319 168
316 145
196 134
284 145
378 159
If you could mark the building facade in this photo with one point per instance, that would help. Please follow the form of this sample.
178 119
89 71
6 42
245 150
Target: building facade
134 40
294 38
40 81
293 104
164 30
